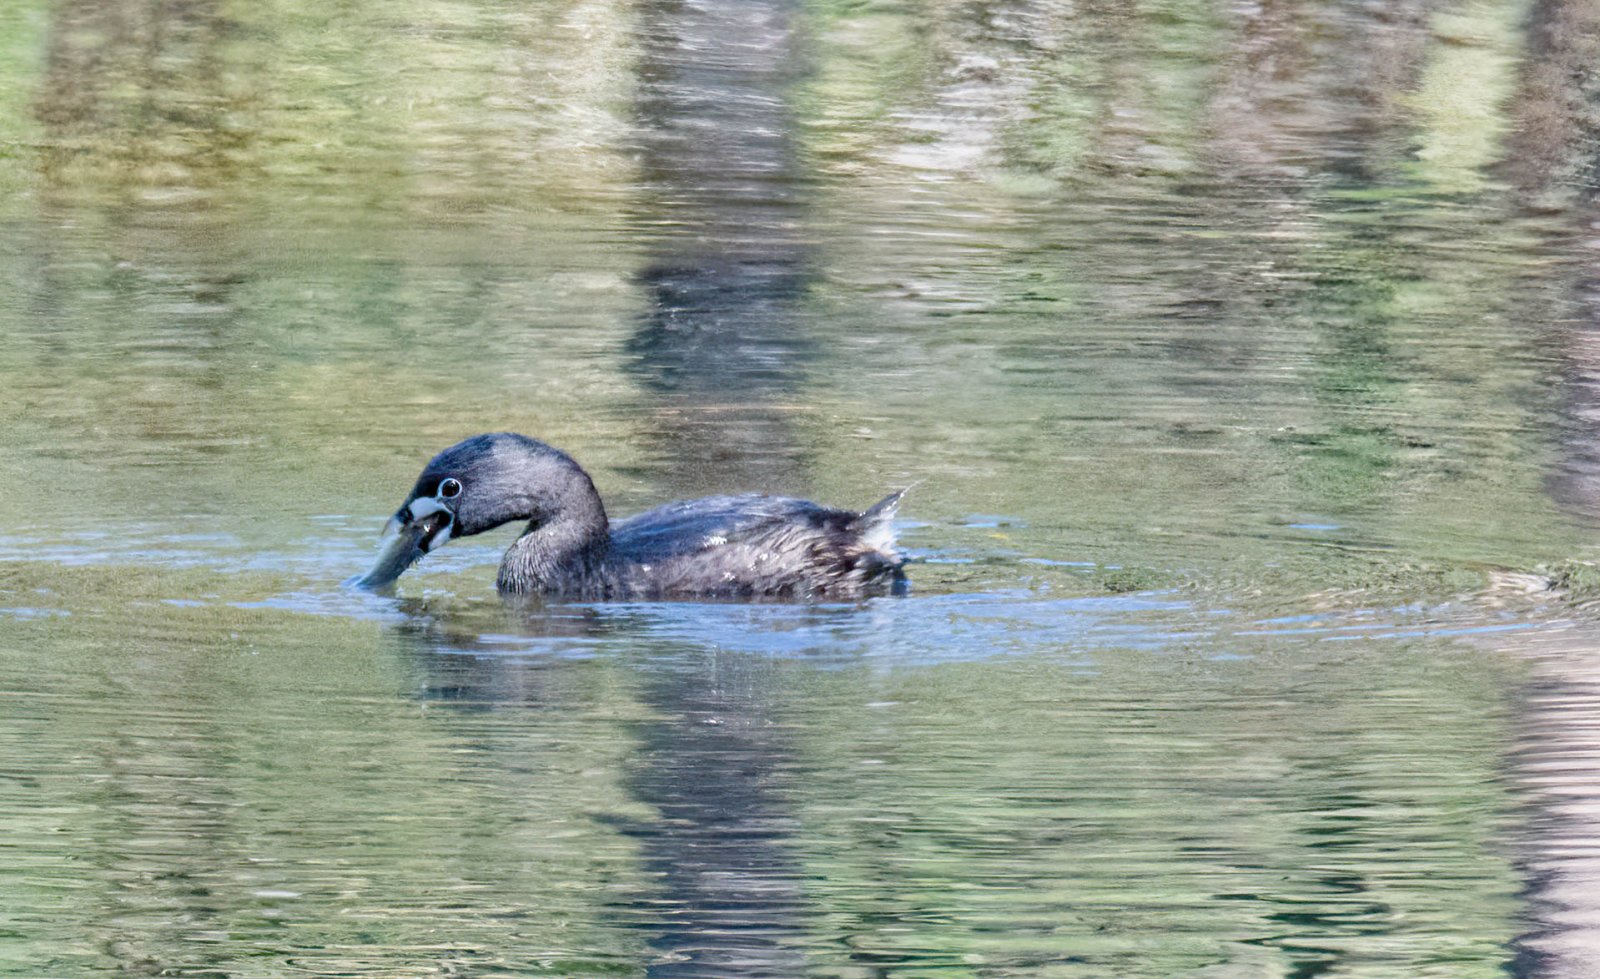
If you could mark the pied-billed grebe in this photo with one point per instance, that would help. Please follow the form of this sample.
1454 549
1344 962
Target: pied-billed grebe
718 547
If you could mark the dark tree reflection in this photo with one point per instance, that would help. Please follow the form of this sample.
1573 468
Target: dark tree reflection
729 900
719 345
720 349
1558 740
725 896
1552 161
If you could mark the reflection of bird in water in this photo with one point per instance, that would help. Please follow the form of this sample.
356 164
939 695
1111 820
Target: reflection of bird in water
717 547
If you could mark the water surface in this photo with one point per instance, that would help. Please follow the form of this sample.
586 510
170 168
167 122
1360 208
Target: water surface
1240 353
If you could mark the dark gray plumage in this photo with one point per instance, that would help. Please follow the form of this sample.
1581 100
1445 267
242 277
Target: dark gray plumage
719 547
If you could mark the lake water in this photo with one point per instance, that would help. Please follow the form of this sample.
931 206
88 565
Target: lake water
1243 356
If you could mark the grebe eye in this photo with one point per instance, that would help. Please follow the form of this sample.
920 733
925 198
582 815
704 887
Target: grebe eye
449 489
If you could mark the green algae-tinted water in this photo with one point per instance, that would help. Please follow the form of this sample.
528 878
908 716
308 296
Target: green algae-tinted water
1240 354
